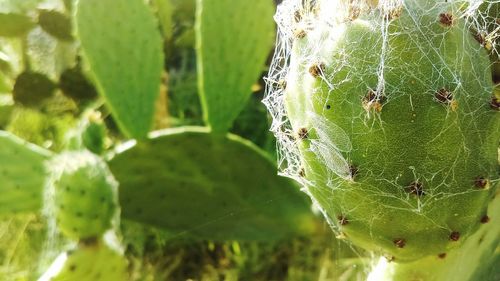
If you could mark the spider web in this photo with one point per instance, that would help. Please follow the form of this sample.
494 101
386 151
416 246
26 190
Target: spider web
321 22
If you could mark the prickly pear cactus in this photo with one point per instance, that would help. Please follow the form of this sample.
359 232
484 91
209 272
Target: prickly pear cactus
56 24
84 194
23 171
123 53
186 181
233 40
95 261
14 25
32 88
384 111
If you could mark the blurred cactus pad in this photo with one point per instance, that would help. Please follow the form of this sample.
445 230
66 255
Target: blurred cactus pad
263 140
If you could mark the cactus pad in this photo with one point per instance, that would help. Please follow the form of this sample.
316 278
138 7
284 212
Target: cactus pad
95 262
85 194
14 25
392 128
32 88
123 50
22 173
192 183
56 24
234 39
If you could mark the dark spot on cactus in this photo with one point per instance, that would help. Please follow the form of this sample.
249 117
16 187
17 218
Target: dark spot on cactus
18 186
353 170
399 242
68 188
79 214
495 103
393 13
297 16
74 229
139 211
446 19
61 206
454 236
299 33
481 239
342 220
103 199
485 219
390 258
480 38
442 255
317 69
82 192
89 241
354 11
282 84
328 106
481 182
416 188
302 172
444 96
373 101
303 133
72 268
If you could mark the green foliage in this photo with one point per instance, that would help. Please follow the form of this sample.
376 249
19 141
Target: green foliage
44 129
23 174
234 39
123 51
85 194
190 182
406 168
15 25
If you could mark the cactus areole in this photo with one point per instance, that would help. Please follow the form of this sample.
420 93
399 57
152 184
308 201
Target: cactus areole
385 112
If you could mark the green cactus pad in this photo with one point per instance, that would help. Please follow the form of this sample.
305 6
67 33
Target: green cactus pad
193 183
392 118
95 262
90 134
32 88
234 38
22 173
14 25
123 50
85 194
75 85
476 260
56 24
